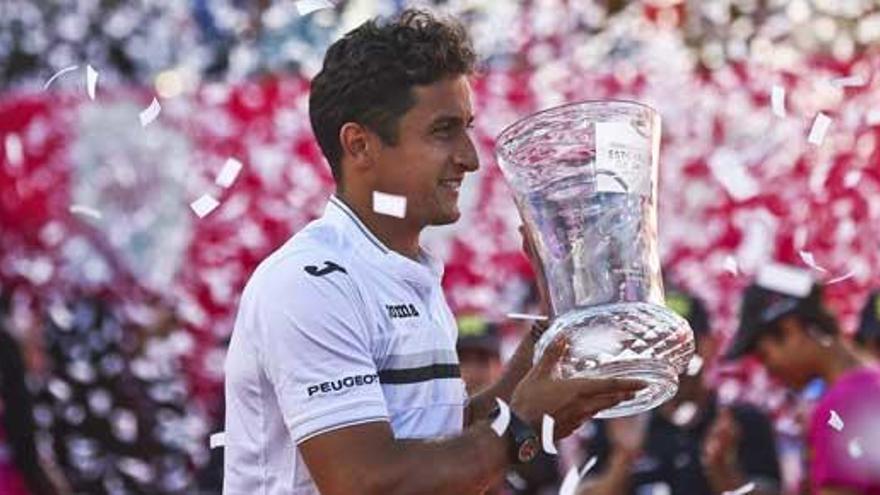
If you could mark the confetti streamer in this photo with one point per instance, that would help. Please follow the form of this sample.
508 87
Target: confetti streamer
819 129
150 114
91 81
777 101
229 173
524 316
570 483
547 426
59 74
834 421
499 426
747 488
807 257
204 205
846 276
848 82
591 462
695 365
855 448
86 211
218 440
389 204
14 150
306 7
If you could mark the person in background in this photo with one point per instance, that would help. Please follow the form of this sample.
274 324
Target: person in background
21 469
784 323
868 335
690 445
479 355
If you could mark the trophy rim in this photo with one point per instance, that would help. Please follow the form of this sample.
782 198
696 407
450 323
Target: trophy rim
503 135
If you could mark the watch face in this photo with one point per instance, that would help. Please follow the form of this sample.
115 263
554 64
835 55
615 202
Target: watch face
528 449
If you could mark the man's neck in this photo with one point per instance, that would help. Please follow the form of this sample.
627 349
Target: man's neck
838 359
396 234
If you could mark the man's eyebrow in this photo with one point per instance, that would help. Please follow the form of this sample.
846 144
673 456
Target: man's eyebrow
452 119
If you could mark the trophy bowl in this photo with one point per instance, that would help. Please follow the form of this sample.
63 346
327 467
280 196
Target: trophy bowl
584 178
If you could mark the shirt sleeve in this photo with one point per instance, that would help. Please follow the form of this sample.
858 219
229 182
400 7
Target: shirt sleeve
316 348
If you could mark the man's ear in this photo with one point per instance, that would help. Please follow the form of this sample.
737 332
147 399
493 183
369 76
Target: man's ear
357 144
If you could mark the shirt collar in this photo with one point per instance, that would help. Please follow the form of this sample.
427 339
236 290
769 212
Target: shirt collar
425 273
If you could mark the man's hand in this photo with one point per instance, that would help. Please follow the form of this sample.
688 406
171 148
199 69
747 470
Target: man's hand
720 453
570 401
528 245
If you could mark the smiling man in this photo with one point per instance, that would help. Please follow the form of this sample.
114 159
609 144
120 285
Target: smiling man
342 375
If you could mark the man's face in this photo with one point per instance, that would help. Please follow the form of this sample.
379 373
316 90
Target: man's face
784 355
433 153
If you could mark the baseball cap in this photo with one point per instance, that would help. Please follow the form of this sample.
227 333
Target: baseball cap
869 327
778 291
477 333
690 308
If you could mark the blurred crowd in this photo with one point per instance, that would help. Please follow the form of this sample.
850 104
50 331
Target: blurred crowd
113 330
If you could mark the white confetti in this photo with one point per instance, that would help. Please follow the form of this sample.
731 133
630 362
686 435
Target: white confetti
86 211
730 265
524 316
873 117
91 81
819 129
848 82
306 7
570 483
547 426
500 424
810 261
777 101
852 178
14 150
855 448
389 204
785 279
228 173
684 413
218 440
204 205
694 365
591 462
846 276
747 488
59 74
151 112
834 421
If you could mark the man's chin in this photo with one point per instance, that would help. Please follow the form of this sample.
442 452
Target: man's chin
446 218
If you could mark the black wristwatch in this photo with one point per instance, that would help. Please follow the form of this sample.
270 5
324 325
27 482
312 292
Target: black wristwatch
523 442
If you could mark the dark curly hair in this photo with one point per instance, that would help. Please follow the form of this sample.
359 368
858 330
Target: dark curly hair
368 75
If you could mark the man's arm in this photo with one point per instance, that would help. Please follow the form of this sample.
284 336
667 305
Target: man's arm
367 459
483 402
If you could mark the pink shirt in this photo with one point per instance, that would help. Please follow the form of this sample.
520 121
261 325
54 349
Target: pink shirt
849 458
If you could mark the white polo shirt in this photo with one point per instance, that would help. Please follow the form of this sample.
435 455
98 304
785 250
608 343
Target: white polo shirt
333 330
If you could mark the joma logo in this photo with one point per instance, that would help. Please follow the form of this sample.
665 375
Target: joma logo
401 310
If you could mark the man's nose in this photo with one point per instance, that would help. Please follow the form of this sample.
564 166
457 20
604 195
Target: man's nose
467 157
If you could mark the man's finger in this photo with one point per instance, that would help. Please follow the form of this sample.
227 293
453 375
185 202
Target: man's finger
552 354
596 386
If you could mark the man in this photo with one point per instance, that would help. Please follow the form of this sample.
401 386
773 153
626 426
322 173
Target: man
341 375
690 445
785 325
868 335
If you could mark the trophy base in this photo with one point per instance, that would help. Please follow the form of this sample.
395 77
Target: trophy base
662 385
624 340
